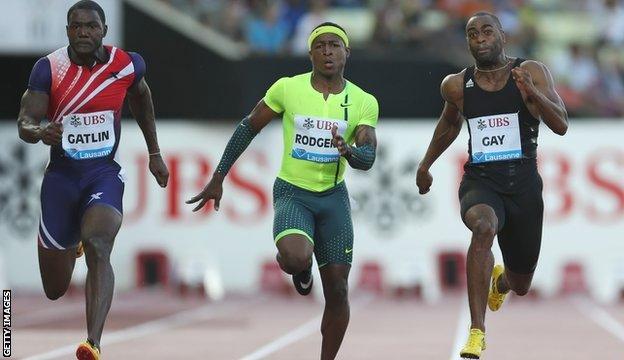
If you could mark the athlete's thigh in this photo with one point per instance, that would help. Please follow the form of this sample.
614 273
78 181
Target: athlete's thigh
293 219
334 230
103 187
102 209
520 239
59 226
56 268
472 193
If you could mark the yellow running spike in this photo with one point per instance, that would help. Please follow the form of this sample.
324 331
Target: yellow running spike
496 298
474 346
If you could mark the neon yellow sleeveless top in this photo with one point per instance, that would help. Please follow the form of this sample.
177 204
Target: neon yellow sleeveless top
309 159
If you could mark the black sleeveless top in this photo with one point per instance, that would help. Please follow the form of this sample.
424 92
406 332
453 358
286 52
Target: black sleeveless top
500 153
480 103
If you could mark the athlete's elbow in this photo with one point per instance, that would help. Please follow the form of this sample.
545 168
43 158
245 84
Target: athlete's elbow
360 164
368 165
25 136
562 129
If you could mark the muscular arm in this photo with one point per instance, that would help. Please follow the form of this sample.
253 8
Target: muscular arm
142 108
362 156
33 109
539 94
450 122
251 125
248 128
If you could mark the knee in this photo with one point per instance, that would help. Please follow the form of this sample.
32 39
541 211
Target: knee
337 295
484 231
54 294
520 289
97 249
294 263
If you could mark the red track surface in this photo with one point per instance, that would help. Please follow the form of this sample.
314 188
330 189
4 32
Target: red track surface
159 325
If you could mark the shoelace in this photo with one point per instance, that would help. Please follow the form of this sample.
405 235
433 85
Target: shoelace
474 341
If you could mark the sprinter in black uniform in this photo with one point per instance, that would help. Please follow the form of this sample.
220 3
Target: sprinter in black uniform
503 100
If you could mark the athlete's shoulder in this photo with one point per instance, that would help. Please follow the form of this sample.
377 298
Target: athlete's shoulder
534 66
286 84
118 53
452 86
358 91
59 56
298 79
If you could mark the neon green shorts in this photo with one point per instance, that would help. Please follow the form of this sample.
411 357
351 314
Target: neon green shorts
323 217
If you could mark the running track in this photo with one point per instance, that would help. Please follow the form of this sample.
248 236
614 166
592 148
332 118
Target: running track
160 325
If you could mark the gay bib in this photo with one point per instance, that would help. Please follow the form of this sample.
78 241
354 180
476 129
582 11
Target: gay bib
495 138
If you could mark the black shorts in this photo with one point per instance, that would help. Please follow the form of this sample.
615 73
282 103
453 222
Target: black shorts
519 207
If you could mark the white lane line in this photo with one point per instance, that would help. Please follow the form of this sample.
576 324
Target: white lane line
291 337
463 323
180 319
299 333
600 317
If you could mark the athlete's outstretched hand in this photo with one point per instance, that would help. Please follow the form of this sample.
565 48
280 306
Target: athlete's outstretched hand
339 142
159 170
524 82
212 191
52 133
423 180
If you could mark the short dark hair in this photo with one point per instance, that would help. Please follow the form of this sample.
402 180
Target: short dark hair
87 5
492 16
328 23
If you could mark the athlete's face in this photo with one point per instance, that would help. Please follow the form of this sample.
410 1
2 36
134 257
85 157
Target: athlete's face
329 54
485 39
85 31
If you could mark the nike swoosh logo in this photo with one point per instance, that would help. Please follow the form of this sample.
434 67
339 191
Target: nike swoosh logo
306 285
345 105
348 251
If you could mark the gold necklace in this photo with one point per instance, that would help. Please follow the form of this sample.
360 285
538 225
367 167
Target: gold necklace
493 70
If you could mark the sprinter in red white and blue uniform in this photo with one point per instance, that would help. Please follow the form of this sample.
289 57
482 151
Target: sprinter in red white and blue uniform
80 90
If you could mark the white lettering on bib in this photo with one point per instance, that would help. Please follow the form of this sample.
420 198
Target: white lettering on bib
313 139
495 138
89 136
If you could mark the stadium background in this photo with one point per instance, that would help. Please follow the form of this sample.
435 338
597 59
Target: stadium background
209 61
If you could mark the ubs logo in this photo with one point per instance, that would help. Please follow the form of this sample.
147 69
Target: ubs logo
481 125
498 122
74 120
308 124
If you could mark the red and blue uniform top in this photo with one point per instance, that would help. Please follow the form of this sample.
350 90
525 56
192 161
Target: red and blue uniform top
88 102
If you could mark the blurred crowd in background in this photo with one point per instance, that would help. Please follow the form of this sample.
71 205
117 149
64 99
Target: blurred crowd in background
580 40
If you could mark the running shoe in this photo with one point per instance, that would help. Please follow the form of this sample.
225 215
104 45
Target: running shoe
496 298
303 281
79 250
87 351
474 346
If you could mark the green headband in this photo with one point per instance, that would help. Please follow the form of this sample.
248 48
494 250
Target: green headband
327 29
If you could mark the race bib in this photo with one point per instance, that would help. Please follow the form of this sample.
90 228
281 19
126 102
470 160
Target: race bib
495 138
313 139
89 136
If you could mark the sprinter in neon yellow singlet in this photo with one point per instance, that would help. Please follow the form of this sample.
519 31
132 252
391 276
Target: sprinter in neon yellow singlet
329 124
